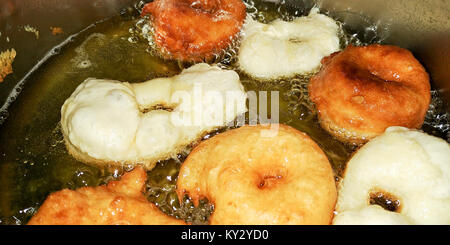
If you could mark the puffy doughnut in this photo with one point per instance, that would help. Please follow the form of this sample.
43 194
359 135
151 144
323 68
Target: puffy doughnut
285 49
361 91
252 178
407 169
117 203
195 30
111 122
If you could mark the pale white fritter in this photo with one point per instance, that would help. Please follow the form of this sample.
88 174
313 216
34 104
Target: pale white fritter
115 122
408 164
284 49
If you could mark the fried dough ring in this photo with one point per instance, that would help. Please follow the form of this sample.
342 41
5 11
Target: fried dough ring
253 179
361 91
407 167
118 202
195 30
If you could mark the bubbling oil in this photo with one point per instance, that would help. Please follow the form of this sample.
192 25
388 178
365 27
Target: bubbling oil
34 161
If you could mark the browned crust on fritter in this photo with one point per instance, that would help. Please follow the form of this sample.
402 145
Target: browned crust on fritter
361 91
118 202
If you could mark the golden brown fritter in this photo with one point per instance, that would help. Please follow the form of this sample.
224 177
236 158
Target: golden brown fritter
253 177
361 91
195 30
117 203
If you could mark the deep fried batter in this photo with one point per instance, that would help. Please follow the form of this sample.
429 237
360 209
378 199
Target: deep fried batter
283 49
106 122
195 30
253 177
408 172
117 203
361 91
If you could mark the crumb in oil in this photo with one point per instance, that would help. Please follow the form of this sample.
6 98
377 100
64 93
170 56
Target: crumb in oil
56 30
6 59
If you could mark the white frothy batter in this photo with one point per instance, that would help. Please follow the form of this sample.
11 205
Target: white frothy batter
119 123
411 166
284 49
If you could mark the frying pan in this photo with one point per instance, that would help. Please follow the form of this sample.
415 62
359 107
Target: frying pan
422 26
